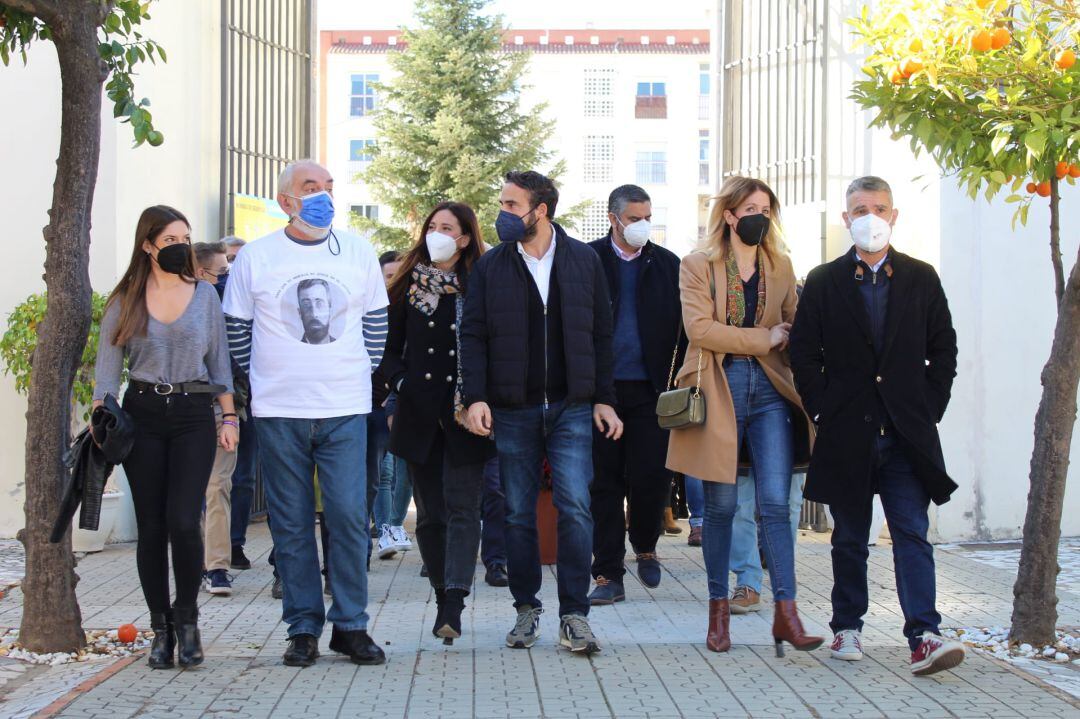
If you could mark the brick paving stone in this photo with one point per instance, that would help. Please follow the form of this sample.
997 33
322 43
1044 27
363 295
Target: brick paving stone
653 662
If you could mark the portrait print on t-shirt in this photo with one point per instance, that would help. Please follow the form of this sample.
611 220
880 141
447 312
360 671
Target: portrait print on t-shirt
315 307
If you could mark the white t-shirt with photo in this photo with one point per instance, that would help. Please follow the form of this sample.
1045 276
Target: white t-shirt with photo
308 358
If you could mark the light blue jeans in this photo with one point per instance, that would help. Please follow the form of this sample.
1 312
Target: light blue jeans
745 557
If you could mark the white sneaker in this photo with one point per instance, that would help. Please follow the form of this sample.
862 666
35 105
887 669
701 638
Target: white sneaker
401 539
387 547
847 645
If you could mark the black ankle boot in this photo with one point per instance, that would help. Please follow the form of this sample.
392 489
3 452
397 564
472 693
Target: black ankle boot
449 624
189 644
164 644
440 601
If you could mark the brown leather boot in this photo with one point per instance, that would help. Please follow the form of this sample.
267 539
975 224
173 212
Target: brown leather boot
670 525
718 638
788 628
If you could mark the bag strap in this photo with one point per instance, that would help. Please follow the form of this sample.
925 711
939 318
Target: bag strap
675 354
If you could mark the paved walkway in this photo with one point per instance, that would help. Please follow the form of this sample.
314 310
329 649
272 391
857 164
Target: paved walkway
653 663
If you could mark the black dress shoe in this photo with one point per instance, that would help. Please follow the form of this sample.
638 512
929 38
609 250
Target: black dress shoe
302 651
496 576
276 591
239 559
164 645
448 625
356 643
189 651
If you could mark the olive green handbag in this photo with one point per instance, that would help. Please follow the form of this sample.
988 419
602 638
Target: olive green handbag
684 406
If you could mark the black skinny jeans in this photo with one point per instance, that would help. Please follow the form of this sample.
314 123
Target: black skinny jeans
168 470
447 517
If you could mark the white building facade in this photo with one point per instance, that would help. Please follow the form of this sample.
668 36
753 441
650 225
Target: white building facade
630 106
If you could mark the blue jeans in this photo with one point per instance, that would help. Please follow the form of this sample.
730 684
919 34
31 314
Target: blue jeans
695 500
291 449
763 422
745 558
523 437
906 503
493 529
243 482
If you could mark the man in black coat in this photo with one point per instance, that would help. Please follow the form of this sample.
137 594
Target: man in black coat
874 356
537 369
644 283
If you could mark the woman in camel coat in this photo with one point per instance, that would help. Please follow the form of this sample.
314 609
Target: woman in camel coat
738 299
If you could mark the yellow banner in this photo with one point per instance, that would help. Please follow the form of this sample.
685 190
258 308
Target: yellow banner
255 217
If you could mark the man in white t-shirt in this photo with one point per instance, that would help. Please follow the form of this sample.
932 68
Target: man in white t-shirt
303 306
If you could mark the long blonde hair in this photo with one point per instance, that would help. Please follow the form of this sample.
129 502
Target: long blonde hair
733 193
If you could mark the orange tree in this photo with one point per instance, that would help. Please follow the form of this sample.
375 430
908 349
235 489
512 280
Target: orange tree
989 88
98 46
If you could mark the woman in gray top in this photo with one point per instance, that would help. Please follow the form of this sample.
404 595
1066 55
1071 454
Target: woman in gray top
171 330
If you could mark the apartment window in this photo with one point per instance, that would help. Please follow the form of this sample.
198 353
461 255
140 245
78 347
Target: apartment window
595 224
651 167
703 157
599 101
362 101
599 158
659 226
371 212
361 153
704 92
651 101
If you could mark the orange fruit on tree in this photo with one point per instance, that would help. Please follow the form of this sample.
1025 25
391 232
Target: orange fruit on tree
1061 169
1031 187
983 4
1043 188
127 633
1074 170
897 77
981 41
910 66
1065 59
1000 38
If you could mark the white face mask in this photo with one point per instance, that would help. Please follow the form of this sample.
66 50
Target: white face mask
636 234
870 233
440 247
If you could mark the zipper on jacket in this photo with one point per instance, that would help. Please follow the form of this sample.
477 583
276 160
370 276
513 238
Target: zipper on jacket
545 357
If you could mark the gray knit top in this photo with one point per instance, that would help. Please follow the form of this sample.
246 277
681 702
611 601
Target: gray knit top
193 348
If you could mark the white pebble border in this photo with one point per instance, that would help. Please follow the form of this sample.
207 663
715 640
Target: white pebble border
100 644
995 641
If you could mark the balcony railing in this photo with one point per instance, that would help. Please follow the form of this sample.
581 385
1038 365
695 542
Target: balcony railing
650 107
704 107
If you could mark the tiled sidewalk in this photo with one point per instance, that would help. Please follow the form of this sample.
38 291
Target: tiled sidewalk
653 662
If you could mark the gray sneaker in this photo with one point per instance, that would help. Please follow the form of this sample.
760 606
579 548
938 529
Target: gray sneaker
527 628
575 634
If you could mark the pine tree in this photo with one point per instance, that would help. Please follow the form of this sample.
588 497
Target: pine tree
451 123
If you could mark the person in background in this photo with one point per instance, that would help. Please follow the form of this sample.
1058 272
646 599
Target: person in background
737 360
233 244
874 355
695 507
422 366
211 266
310 402
643 279
392 490
169 328
493 527
537 368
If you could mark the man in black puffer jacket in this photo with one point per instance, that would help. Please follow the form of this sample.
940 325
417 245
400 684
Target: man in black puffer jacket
536 343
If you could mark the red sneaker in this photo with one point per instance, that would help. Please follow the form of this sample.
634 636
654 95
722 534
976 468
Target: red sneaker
935 654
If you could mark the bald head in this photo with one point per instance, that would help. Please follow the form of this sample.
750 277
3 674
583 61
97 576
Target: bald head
301 178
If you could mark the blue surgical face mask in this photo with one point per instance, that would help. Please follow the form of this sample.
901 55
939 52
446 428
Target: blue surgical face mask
511 228
316 210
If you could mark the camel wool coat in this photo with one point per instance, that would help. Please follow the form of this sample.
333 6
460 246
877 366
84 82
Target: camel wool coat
710 451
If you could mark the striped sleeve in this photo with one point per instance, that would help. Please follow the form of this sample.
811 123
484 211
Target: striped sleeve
239 334
376 326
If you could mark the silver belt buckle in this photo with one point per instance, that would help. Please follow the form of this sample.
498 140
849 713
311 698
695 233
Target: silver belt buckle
158 388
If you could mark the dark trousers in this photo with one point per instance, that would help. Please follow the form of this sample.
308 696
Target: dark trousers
447 517
630 468
378 439
493 508
168 470
243 482
905 502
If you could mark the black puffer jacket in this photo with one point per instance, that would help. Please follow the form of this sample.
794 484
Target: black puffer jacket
495 328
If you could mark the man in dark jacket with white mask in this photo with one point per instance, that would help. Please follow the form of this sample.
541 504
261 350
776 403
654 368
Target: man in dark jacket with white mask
874 356
536 368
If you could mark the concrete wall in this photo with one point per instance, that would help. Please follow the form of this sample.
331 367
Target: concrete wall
183 172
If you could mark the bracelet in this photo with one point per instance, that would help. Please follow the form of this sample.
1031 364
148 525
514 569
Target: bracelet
229 414
229 423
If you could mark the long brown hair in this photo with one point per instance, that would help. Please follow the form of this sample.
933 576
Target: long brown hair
732 194
130 292
399 286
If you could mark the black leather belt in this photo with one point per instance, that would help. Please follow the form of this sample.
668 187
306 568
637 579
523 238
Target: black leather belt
167 388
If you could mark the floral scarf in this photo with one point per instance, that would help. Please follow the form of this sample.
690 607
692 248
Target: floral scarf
736 298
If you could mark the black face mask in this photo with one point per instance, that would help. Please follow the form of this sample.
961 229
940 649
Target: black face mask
174 258
752 229
219 284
